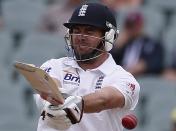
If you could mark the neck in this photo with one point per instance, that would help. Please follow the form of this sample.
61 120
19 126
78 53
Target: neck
94 63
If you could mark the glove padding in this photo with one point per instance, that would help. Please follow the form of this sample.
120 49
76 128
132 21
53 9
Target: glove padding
63 116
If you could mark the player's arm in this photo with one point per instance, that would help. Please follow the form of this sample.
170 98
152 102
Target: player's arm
103 99
72 110
106 98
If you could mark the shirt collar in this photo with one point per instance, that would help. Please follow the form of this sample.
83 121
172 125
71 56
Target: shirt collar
106 68
71 62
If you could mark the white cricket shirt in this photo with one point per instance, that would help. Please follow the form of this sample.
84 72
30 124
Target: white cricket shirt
76 81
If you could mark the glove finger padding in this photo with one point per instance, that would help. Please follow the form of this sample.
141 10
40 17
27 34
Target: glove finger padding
57 119
63 116
62 122
74 106
58 124
55 113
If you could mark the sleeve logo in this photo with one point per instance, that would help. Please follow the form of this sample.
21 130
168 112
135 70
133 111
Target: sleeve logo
131 87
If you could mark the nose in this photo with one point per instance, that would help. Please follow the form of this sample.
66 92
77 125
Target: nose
81 37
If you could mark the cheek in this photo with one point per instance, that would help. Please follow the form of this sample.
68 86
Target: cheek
74 40
94 42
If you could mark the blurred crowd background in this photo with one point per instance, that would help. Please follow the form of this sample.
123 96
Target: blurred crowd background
31 31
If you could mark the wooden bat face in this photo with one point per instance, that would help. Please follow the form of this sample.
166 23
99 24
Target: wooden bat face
40 81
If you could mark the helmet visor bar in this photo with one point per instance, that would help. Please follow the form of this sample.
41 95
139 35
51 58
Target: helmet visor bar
96 51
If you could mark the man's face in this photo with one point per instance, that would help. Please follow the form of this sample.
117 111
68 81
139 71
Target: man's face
85 39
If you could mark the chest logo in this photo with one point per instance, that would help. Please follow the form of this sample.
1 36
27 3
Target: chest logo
71 78
99 82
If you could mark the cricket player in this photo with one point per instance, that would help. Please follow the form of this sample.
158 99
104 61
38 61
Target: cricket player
98 93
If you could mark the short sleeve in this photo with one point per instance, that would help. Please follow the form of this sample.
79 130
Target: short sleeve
130 88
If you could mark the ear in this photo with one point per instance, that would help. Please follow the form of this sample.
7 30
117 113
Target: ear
109 39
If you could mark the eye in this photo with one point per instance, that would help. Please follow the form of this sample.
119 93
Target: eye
90 31
76 31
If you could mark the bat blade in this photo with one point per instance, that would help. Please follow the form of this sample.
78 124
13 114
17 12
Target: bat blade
40 81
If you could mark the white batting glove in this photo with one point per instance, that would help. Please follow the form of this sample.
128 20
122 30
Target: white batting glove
63 116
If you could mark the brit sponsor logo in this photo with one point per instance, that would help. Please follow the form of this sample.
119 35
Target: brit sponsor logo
71 78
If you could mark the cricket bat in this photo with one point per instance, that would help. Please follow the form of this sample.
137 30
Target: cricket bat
40 81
